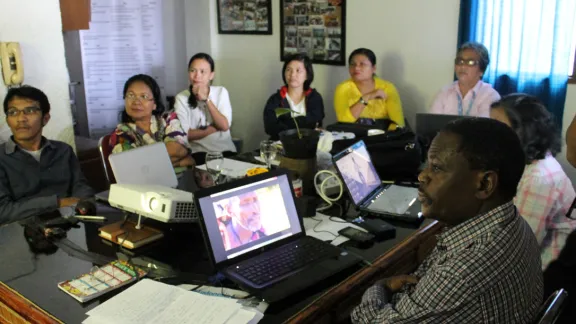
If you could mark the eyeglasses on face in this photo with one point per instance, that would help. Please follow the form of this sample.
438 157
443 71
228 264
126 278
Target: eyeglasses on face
28 111
461 61
143 97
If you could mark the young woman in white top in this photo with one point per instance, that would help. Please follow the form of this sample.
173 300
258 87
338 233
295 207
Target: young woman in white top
205 111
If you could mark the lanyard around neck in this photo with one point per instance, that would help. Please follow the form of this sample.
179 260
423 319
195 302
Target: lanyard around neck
470 104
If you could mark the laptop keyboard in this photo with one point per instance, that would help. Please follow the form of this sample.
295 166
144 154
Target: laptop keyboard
283 260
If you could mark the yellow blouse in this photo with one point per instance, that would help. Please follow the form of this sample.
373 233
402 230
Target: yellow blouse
347 94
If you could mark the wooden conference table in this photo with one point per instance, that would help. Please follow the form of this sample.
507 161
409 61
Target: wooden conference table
29 271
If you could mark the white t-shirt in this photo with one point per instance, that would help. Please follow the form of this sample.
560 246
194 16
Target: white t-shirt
300 108
194 118
35 154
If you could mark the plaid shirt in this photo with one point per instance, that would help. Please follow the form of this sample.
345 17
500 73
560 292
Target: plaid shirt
485 270
544 196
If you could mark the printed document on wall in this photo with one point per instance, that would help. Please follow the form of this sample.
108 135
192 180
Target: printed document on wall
124 39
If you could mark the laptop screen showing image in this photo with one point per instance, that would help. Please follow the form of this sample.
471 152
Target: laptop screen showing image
249 217
357 171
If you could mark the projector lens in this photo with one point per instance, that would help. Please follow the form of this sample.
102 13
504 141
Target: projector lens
153 203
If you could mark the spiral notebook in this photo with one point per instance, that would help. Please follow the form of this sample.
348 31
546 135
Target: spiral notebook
101 280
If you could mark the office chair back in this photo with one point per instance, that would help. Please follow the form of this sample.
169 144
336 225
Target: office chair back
105 150
551 308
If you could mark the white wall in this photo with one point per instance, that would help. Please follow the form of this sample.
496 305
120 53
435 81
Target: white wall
37 25
414 53
175 58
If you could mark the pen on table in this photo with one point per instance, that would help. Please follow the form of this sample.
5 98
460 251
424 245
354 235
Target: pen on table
94 218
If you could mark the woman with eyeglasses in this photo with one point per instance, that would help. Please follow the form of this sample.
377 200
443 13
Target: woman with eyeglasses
205 110
469 95
365 98
144 122
545 192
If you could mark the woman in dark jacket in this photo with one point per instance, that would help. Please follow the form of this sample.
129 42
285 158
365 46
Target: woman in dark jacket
296 94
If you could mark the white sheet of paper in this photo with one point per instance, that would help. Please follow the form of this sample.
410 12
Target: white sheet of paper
318 230
94 320
149 301
244 316
233 168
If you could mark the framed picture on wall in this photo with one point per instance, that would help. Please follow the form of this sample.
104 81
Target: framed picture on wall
253 17
314 27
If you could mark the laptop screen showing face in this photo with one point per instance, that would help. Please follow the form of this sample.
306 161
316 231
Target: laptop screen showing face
249 217
357 171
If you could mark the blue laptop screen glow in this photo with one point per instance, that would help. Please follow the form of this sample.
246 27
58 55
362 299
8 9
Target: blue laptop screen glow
358 172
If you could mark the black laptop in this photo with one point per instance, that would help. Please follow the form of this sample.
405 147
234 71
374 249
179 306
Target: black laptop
367 191
428 125
255 238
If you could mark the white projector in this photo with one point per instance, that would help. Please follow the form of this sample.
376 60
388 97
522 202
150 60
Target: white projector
161 203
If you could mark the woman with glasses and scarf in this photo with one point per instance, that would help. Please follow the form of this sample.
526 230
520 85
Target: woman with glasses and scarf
205 110
545 192
144 122
469 95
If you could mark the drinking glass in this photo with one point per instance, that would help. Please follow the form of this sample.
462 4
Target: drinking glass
268 152
214 164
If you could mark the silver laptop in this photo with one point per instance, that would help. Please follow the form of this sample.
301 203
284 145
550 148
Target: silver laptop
149 164
367 191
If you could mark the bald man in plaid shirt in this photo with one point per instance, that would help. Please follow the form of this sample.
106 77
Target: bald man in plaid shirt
486 265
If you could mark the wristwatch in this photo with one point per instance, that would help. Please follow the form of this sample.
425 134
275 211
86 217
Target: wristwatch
364 102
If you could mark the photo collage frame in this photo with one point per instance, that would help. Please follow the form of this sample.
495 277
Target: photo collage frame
314 27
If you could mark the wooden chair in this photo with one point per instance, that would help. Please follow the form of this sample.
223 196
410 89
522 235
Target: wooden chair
105 150
551 308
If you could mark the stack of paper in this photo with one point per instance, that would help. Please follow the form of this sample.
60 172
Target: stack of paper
149 301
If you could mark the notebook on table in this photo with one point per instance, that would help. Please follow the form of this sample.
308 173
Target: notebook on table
127 235
102 280
367 191
255 238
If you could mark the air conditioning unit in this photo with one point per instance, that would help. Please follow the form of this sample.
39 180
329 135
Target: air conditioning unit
161 203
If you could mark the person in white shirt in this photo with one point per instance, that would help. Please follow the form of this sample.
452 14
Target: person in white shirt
469 95
205 111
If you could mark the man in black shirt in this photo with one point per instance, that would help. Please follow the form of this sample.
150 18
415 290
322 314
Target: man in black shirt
37 175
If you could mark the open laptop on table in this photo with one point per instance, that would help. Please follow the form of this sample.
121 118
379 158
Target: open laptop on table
367 191
428 125
255 238
145 165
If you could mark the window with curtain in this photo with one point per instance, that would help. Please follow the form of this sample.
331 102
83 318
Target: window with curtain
531 45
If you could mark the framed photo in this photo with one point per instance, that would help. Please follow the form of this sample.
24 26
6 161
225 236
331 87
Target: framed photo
314 27
252 17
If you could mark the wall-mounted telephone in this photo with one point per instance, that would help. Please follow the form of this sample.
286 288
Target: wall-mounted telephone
11 64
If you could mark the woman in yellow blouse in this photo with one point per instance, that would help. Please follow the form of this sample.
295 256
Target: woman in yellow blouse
364 97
